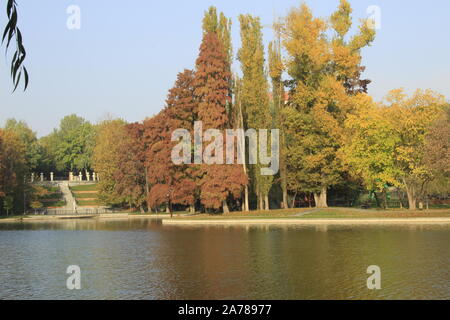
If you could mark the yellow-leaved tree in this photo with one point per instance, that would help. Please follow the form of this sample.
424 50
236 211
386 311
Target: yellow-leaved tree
412 119
323 90
386 144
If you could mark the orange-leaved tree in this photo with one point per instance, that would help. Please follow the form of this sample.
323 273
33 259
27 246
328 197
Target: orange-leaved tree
212 89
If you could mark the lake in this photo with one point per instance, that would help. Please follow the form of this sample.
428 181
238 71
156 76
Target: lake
142 259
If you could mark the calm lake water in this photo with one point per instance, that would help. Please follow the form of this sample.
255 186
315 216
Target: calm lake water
141 259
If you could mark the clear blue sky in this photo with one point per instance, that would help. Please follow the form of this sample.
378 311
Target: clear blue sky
126 55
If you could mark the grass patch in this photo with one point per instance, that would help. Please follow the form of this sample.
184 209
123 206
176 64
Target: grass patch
85 195
356 213
440 206
52 189
330 213
255 214
55 204
53 199
94 203
84 187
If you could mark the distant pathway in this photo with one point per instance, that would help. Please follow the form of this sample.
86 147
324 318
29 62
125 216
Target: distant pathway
70 201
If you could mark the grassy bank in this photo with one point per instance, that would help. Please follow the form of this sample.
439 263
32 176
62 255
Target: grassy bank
53 198
346 215
330 213
86 195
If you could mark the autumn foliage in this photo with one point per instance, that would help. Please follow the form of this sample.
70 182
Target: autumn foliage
333 135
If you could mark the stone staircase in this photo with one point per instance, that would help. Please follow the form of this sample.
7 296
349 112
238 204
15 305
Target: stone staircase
70 200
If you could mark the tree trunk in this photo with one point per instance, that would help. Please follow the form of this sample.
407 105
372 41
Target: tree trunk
412 201
192 208
322 198
266 202
243 149
420 205
146 184
246 205
377 200
317 199
225 207
284 204
293 200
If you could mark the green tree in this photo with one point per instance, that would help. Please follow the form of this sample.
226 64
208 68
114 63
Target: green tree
437 153
370 146
109 142
412 119
33 150
276 69
8 204
254 94
12 169
220 25
74 143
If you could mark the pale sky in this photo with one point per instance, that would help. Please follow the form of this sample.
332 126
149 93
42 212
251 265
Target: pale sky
127 54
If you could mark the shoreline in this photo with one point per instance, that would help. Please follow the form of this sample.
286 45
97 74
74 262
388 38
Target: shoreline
106 216
239 221
309 221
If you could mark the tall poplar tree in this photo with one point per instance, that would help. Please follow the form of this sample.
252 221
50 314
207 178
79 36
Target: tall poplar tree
255 94
276 69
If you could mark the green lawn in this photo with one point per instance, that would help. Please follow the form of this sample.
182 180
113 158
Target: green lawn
86 195
52 189
55 204
330 213
356 213
87 187
78 195
94 203
53 199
